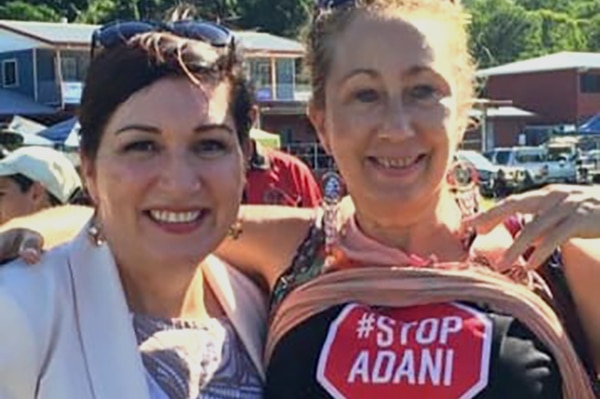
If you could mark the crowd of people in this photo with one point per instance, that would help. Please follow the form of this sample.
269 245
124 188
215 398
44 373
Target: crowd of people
209 267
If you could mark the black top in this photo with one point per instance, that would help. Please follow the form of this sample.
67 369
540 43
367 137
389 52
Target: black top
437 360
440 351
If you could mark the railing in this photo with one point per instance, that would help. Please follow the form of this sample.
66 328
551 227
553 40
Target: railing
313 155
282 92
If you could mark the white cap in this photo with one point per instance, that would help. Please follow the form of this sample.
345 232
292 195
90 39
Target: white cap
50 168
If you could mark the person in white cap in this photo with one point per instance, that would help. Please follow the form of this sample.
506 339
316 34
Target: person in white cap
34 178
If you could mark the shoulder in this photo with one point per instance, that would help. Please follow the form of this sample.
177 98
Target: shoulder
286 160
33 286
29 303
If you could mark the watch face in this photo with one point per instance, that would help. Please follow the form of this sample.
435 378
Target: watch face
333 187
462 175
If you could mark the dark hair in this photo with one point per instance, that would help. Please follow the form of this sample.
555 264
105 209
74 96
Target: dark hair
118 72
25 184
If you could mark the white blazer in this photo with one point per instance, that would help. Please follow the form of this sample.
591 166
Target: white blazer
65 328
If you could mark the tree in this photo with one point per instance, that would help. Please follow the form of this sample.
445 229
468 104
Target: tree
560 32
502 32
591 29
20 10
282 17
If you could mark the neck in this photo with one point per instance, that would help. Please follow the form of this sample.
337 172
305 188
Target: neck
431 228
171 293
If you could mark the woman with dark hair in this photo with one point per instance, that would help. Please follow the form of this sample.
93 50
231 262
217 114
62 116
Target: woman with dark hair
403 289
136 306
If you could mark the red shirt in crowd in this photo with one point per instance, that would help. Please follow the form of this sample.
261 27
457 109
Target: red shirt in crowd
277 178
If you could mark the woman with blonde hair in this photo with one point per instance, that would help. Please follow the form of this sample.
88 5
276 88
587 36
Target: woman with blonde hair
402 289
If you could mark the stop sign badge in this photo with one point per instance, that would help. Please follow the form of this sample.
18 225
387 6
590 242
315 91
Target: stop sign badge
439 351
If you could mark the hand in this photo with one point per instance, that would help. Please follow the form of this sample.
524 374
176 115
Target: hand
556 213
20 242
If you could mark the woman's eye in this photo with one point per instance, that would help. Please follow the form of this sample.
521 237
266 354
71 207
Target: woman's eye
423 92
141 146
366 95
210 147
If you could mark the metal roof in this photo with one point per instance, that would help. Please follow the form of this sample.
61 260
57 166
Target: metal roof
12 103
502 112
72 33
260 41
52 32
552 62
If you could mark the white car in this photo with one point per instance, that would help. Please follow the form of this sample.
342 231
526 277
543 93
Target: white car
493 177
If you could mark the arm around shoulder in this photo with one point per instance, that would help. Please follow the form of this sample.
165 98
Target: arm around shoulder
56 225
269 238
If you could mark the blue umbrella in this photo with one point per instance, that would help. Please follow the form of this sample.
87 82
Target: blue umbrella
591 126
60 132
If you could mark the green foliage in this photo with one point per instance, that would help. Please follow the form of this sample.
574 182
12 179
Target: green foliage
509 30
25 11
501 30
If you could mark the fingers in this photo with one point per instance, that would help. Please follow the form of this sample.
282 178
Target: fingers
542 233
30 248
534 202
548 245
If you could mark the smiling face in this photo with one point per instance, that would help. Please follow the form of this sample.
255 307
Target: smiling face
168 176
390 116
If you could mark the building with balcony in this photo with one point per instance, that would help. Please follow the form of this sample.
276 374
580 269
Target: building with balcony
43 64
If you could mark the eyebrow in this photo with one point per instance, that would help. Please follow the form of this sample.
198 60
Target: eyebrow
155 130
411 72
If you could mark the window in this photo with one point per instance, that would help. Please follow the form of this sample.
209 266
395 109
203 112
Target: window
260 74
589 83
285 78
68 69
10 73
529 157
73 65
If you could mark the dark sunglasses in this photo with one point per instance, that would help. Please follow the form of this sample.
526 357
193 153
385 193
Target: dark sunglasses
118 32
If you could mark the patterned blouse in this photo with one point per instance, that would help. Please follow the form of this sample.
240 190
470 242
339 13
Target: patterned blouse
195 360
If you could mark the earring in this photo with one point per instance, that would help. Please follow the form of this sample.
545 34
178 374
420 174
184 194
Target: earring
332 194
235 230
95 232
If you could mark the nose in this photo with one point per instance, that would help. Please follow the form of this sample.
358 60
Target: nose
180 175
397 121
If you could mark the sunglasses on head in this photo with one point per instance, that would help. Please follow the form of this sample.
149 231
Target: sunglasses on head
118 33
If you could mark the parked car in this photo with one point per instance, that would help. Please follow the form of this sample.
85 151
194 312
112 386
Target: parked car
494 181
542 167
589 167
562 162
530 159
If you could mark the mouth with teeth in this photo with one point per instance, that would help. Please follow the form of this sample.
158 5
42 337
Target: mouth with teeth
397 165
179 222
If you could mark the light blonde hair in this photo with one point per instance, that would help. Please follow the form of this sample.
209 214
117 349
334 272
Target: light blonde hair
328 24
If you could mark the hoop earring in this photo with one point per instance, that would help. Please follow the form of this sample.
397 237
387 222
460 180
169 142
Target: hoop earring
235 230
333 189
94 231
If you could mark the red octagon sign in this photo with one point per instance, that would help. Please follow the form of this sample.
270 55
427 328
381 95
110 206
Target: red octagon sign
437 351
